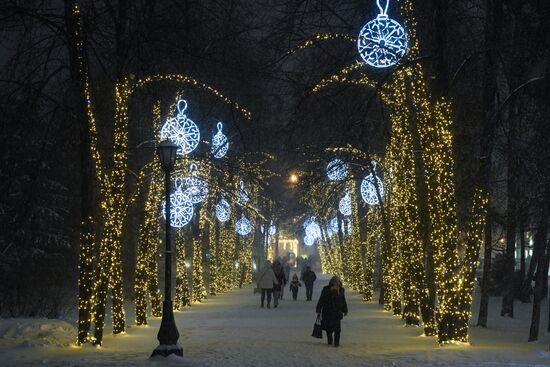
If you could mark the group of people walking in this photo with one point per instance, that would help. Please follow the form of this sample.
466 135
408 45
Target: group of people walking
331 307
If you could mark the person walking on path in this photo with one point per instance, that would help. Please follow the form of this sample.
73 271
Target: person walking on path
266 281
286 269
294 286
332 308
281 281
309 278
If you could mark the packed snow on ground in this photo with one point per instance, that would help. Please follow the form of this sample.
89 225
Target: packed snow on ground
232 330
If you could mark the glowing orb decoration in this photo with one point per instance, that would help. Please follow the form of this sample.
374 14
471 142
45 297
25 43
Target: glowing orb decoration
345 205
309 241
220 145
272 229
182 131
243 226
368 189
337 170
196 188
346 226
223 210
313 230
382 41
243 197
332 227
181 207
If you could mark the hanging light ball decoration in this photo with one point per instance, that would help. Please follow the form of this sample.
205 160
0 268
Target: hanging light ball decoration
345 205
181 130
181 207
272 229
332 227
243 197
309 241
223 210
337 170
382 42
196 187
243 226
313 230
220 145
368 189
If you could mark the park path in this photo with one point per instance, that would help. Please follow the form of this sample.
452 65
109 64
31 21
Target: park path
232 330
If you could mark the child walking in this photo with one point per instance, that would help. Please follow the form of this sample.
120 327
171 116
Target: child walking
294 284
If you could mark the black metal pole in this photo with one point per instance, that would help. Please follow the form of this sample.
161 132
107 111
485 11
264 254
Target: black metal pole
168 333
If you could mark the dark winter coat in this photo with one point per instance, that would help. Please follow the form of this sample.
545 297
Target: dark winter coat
294 284
280 275
332 305
309 277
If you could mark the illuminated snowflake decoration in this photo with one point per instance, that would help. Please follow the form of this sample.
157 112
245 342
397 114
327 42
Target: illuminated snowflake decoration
332 227
220 145
181 207
346 226
243 197
196 188
272 229
223 210
345 205
313 230
337 170
243 226
309 241
182 131
368 189
382 41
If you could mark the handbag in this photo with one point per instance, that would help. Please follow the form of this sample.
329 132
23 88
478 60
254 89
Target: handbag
317 328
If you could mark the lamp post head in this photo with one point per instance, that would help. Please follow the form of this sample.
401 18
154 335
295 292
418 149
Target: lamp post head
167 154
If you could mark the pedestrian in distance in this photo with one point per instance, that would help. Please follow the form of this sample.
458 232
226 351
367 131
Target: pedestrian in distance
332 307
286 269
266 280
281 281
295 286
309 278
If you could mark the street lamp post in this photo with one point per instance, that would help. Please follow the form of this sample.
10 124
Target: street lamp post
168 333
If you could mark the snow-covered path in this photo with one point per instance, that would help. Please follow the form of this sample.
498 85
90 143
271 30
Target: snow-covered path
232 330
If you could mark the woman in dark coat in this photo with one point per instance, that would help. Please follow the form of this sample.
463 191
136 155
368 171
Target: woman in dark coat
332 307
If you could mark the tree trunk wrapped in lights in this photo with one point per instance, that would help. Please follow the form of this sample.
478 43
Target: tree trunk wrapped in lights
182 297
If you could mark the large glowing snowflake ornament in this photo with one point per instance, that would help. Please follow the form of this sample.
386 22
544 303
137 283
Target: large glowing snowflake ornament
196 188
181 207
337 170
313 230
181 130
243 226
243 197
345 204
382 42
368 189
332 227
223 210
309 241
220 145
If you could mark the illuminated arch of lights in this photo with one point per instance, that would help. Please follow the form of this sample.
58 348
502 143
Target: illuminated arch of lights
243 226
223 210
345 204
181 207
382 42
220 145
181 130
337 170
196 188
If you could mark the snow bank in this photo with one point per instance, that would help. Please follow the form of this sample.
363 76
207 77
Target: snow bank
36 333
